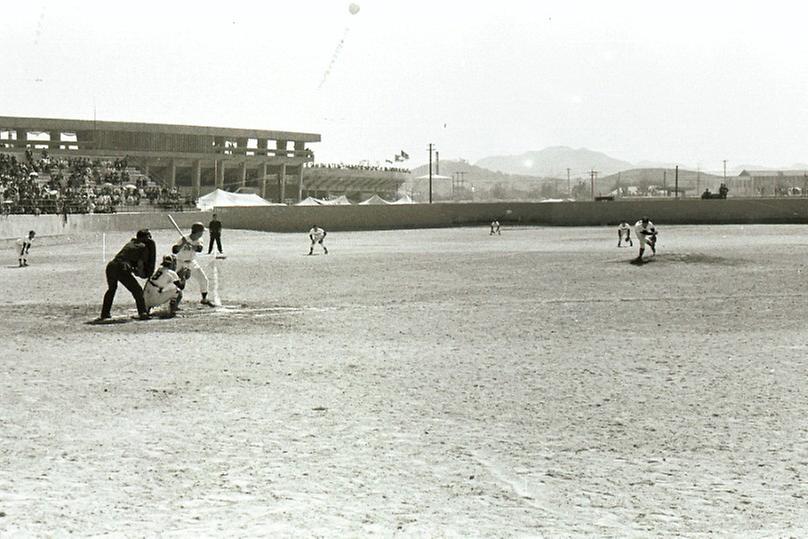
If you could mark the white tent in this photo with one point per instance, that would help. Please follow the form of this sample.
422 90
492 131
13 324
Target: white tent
341 201
309 201
405 199
224 199
374 200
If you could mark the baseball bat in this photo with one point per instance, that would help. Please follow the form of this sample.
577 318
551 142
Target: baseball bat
173 222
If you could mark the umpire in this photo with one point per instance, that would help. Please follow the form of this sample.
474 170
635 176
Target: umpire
215 231
138 257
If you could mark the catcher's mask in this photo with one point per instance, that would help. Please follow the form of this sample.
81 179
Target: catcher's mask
170 262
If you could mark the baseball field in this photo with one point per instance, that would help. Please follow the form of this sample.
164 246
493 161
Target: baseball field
416 383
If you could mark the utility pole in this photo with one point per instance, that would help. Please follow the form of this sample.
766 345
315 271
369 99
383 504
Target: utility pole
437 162
592 175
725 171
677 182
665 181
569 185
430 172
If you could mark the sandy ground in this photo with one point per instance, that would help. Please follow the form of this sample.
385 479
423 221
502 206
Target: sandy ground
418 383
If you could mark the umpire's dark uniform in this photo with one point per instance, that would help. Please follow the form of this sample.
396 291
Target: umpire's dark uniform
137 256
215 231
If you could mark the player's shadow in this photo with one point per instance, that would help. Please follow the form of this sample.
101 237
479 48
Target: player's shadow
687 258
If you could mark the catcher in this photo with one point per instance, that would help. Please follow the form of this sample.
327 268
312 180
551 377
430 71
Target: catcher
136 257
317 235
646 234
165 286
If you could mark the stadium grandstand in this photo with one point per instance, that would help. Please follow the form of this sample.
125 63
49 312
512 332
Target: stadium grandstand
50 164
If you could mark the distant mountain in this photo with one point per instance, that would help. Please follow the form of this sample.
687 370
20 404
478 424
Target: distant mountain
554 161
477 183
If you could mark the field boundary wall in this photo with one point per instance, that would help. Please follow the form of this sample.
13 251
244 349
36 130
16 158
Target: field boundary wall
301 218
690 211
17 226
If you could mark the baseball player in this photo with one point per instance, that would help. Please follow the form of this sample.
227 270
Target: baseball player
186 250
23 246
136 257
495 228
624 234
165 286
317 235
646 235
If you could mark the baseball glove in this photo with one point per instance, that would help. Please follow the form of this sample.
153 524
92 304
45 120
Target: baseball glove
184 273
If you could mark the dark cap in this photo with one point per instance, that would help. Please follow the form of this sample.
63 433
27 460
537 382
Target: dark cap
143 234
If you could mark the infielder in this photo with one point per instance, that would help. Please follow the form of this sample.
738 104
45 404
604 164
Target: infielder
624 234
317 235
165 286
186 250
646 235
23 246
495 228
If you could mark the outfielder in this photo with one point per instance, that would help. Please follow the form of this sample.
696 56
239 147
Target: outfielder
624 234
186 250
646 235
23 246
165 286
495 228
317 235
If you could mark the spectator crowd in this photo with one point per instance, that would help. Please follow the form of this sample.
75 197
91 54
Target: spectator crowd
48 184
344 166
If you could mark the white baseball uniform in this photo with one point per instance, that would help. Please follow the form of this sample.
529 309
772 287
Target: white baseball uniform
644 232
23 245
317 235
161 287
186 258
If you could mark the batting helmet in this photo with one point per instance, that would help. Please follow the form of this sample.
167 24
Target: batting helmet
197 227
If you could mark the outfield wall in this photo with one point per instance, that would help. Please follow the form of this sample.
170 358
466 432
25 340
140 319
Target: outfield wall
301 218
17 226
672 211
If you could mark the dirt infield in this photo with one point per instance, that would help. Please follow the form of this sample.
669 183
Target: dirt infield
421 382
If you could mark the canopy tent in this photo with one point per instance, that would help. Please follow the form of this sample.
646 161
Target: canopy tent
224 199
340 201
405 199
309 201
374 200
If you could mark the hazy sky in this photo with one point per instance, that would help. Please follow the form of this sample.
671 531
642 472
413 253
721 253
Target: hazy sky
689 82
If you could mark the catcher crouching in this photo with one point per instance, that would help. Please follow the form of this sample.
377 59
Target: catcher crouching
165 286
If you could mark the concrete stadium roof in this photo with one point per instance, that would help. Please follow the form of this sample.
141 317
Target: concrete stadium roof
63 124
